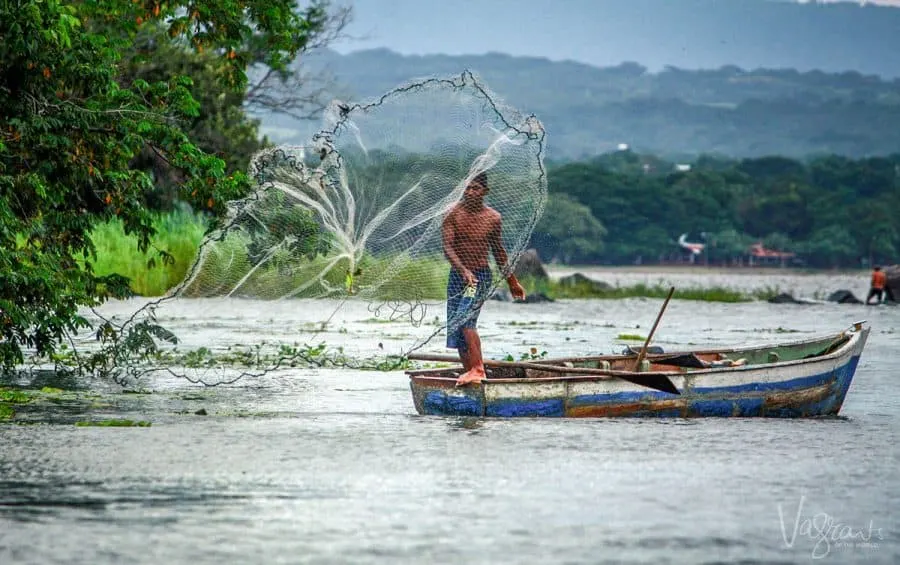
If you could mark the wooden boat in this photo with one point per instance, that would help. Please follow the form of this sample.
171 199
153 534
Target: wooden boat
789 380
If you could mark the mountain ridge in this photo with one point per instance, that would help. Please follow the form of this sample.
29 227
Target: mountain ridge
688 34
674 112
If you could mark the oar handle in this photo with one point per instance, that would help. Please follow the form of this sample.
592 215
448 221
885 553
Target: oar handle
643 352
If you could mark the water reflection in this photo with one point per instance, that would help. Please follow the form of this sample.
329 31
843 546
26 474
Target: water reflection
466 423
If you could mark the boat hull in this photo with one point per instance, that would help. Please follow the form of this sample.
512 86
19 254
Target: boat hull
796 389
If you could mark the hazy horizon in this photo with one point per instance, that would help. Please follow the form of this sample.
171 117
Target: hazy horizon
689 34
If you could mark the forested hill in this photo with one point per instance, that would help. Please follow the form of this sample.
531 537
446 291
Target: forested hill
674 112
738 111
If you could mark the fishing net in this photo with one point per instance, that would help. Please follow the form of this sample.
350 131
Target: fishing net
347 230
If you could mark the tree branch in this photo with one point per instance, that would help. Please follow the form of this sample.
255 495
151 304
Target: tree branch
294 93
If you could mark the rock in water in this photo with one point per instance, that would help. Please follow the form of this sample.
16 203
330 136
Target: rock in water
536 298
784 298
530 265
893 280
844 297
502 294
578 279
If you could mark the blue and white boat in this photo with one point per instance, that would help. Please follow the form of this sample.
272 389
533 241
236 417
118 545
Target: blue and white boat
788 380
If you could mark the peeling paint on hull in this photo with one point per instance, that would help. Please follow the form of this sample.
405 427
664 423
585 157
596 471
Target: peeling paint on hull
807 388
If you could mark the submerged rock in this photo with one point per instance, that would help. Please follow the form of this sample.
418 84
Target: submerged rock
578 279
536 298
783 298
843 297
503 295
893 280
629 350
530 265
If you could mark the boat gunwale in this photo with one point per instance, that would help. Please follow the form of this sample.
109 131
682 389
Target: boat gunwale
843 351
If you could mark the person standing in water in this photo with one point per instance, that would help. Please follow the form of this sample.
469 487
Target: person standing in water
469 231
879 287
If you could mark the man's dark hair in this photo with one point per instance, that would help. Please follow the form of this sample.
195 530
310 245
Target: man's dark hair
877 268
481 178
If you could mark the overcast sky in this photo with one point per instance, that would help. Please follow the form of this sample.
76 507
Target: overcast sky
597 32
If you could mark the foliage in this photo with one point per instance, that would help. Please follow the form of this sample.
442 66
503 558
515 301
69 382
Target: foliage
717 200
555 290
725 245
220 126
531 355
226 271
282 355
831 211
568 232
631 337
9 398
113 423
711 197
178 233
276 222
830 246
72 127
13 396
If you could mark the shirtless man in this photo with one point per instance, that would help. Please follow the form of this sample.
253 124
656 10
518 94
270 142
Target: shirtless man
468 231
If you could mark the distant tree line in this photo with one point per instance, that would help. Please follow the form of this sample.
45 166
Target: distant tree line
624 207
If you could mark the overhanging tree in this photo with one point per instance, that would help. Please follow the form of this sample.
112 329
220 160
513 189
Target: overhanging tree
70 133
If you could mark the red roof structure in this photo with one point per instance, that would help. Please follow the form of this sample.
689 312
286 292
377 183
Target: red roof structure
757 250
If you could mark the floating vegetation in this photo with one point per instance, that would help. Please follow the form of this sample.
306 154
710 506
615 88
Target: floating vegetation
630 337
778 330
113 423
277 356
9 398
531 355
13 396
591 289
379 321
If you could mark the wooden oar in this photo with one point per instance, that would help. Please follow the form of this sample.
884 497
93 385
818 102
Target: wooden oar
643 352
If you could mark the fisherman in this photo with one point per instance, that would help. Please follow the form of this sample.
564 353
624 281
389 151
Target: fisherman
876 290
471 229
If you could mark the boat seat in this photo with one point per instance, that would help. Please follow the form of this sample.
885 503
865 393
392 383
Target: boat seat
652 349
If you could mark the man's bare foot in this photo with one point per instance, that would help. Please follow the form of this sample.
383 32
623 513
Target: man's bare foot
473 376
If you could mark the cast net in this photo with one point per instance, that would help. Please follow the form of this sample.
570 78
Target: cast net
347 229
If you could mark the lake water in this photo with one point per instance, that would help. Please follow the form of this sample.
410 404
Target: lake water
334 466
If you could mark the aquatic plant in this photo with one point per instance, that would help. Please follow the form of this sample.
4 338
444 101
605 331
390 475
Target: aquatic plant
630 337
113 423
554 289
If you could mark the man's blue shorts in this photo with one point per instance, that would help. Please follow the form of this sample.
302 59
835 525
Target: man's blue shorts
463 312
